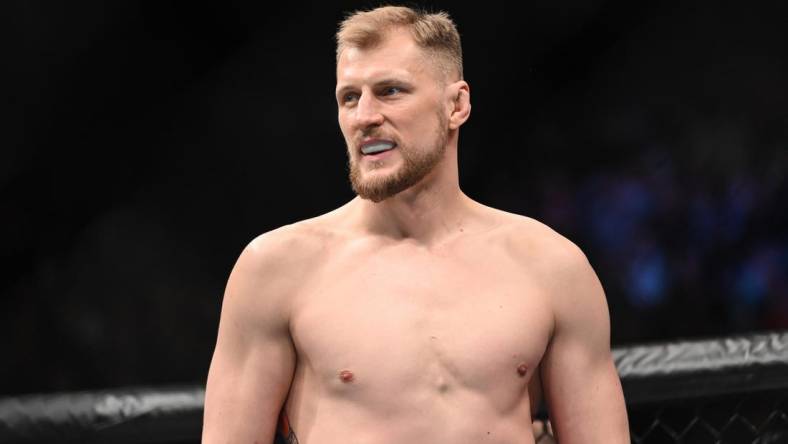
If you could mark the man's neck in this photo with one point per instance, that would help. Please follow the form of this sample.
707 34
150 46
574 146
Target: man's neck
427 213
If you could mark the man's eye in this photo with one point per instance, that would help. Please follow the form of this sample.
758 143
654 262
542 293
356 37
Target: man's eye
349 97
392 90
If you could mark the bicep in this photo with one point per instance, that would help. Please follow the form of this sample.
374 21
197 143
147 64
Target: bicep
253 362
581 385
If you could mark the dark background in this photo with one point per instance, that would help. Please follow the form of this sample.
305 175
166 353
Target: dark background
145 143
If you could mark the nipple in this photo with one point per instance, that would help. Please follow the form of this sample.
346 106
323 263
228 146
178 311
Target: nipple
522 369
346 376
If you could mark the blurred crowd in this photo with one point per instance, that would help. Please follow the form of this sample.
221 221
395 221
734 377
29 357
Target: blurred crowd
704 256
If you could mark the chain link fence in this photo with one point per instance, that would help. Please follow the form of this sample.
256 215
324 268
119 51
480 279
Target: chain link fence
753 418
731 390
757 418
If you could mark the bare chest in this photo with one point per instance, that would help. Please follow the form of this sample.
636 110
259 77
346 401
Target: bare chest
394 320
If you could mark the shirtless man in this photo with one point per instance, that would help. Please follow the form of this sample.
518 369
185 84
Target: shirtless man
412 314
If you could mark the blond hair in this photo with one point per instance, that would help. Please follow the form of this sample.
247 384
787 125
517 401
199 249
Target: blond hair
433 32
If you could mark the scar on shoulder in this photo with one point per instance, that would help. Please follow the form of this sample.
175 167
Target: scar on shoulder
522 369
346 376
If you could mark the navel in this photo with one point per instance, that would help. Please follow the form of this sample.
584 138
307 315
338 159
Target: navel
522 369
346 376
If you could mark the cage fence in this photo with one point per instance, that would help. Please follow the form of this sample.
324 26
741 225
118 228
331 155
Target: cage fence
723 390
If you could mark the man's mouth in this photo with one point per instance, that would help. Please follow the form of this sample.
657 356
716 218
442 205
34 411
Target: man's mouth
377 146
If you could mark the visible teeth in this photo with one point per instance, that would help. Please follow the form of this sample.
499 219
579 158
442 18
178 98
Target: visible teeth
377 147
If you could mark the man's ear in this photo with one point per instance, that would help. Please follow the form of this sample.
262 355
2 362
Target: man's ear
460 103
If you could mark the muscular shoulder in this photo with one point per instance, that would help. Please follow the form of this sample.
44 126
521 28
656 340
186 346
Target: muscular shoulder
271 269
286 245
288 251
562 269
557 263
541 247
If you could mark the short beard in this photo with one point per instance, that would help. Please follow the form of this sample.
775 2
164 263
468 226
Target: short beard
416 165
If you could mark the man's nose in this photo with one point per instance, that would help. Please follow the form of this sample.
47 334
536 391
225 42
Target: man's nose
368 111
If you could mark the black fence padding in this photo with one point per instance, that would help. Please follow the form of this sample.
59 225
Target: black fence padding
704 368
658 380
131 415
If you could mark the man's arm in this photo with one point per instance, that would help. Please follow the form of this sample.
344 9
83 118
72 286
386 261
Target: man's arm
581 384
254 359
